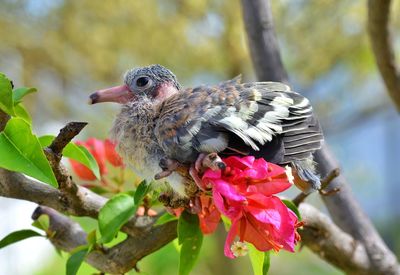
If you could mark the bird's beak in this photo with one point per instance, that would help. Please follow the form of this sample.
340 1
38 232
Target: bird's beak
120 94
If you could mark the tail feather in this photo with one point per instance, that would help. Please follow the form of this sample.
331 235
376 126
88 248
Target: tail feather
306 171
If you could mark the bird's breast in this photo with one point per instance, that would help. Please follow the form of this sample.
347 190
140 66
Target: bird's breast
133 131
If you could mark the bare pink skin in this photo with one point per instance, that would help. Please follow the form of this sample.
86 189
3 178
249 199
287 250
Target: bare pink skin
164 91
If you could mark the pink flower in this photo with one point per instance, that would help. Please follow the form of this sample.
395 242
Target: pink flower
111 155
96 148
209 215
244 192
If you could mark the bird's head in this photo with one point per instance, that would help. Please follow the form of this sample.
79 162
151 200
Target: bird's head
153 82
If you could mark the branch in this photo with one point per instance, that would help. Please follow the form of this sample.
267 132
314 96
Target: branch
343 207
347 213
319 234
82 203
66 235
264 48
143 238
3 120
328 241
382 47
66 134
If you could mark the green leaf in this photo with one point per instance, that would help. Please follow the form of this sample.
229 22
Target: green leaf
187 224
58 251
256 259
115 213
82 155
166 217
289 204
227 222
43 222
92 238
6 96
191 238
74 262
75 152
18 236
19 93
21 151
97 189
267 262
21 112
141 191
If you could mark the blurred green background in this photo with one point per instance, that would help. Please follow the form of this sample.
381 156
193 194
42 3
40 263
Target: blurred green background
67 49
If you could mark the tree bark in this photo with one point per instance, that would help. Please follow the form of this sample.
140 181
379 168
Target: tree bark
382 46
343 207
260 31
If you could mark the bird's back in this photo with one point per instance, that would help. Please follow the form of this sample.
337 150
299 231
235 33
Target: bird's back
261 118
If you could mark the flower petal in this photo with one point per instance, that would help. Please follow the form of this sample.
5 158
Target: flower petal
96 148
275 170
240 162
233 231
269 188
112 155
227 190
209 216
82 171
281 219
210 174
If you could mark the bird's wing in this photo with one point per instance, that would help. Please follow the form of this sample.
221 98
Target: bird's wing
207 119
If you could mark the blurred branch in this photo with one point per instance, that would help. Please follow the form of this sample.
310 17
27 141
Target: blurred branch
328 241
382 46
66 235
344 209
261 36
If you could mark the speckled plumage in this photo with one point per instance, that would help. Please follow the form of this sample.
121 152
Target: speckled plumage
265 119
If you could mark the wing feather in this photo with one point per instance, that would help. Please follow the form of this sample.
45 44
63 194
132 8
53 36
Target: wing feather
207 119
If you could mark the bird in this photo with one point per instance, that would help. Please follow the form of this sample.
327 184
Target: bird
163 124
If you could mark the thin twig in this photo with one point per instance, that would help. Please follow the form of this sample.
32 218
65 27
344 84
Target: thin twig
53 154
66 135
324 184
4 118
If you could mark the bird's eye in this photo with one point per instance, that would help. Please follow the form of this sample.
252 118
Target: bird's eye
143 81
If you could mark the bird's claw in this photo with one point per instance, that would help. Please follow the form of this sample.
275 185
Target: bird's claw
168 166
212 161
195 176
162 174
199 162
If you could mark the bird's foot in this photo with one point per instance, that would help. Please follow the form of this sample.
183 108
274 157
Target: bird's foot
194 173
168 166
212 161
172 201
